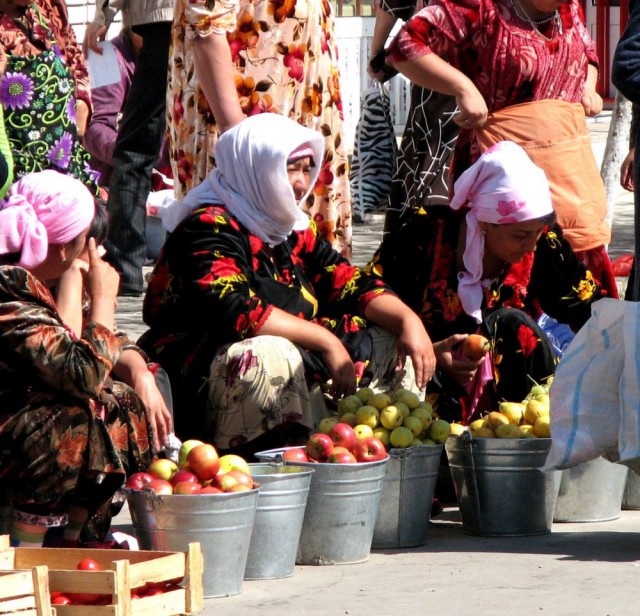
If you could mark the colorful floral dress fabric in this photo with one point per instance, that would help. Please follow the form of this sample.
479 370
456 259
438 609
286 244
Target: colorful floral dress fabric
68 432
419 262
286 62
38 93
215 284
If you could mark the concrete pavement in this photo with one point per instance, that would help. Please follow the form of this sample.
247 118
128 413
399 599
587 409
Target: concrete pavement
588 569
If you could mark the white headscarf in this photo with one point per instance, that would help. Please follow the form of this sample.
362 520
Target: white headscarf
251 177
502 187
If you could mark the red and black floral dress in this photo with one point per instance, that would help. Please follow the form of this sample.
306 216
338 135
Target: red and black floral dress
68 433
419 262
215 283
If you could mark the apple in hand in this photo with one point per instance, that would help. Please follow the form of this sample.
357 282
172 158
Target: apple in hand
203 461
319 446
184 450
161 486
139 481
343 435
369 449
232 462
163 468
297 454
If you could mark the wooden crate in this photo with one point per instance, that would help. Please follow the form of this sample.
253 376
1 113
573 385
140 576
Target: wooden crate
122 571
25 593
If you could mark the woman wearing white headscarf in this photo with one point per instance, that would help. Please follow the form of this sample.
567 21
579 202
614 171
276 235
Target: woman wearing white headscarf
492 262
249 307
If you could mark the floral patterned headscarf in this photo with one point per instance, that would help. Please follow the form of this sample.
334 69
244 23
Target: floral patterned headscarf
251 177
502 187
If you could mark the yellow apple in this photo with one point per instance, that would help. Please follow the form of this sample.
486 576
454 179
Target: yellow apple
423 415
407 397
367 415
512 410
508 431
401 437
326 423
414 424
457 428
542 427
391 417
534 409
231 462
439 430
495 419
349 404
528 431
382 434
379 401
362 431
483 432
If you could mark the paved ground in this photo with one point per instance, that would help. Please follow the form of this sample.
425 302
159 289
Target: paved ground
588 569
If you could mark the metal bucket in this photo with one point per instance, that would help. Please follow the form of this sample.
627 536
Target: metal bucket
276 531
500 488
222 523
407 496
342 507
631 496
591 492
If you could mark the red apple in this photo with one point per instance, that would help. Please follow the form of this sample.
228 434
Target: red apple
341 457
184 475
88 564
210 490
319 446
343 435
226 482
163 468
296 454
203 461
139 481
61 600
187 487
369 449
161 486
243 478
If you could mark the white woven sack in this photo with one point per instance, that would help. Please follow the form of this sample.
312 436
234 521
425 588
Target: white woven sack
585 393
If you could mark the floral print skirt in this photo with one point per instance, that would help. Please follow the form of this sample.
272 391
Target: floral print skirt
259 383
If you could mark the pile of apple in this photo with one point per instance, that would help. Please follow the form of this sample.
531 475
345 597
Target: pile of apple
526 419
398 419
87 598
199 471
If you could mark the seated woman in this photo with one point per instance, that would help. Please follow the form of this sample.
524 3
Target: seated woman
68 432
249 307
491 262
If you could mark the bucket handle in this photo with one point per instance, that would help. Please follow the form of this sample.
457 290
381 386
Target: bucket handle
467 439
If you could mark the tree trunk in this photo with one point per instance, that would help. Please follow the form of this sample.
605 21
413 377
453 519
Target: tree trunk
615 151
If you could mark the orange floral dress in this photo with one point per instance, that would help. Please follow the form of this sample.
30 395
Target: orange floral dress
286 62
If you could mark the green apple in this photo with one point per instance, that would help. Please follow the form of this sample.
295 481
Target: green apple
185 448
349 404
326 423
439 430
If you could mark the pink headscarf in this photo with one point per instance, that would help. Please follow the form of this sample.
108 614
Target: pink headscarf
43 208
502 187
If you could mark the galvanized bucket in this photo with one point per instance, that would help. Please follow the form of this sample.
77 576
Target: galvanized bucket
407 496
342 507
500 488
631 496
276 531
222 523
591 492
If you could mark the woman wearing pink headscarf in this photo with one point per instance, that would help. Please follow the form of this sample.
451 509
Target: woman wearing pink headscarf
68 432
492 263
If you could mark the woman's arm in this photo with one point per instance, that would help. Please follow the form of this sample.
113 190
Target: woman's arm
381 30
390 312
131 368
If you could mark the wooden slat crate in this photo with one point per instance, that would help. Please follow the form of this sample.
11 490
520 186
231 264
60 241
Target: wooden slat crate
25 593
122 571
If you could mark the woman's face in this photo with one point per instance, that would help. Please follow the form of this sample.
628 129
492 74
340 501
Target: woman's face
510 243
299 172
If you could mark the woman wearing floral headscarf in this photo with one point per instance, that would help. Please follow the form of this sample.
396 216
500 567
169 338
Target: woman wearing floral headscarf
44 89
491 262
68 431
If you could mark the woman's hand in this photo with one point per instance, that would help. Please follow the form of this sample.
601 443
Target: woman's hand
341 368
68 294
101 283
461 371
591 101
144 384
626 171
413 341
472 108
93 34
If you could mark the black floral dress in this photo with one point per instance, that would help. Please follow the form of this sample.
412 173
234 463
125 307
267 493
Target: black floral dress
216 284
419 262
68 432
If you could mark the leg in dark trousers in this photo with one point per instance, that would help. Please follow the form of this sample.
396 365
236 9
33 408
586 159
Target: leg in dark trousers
139 139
